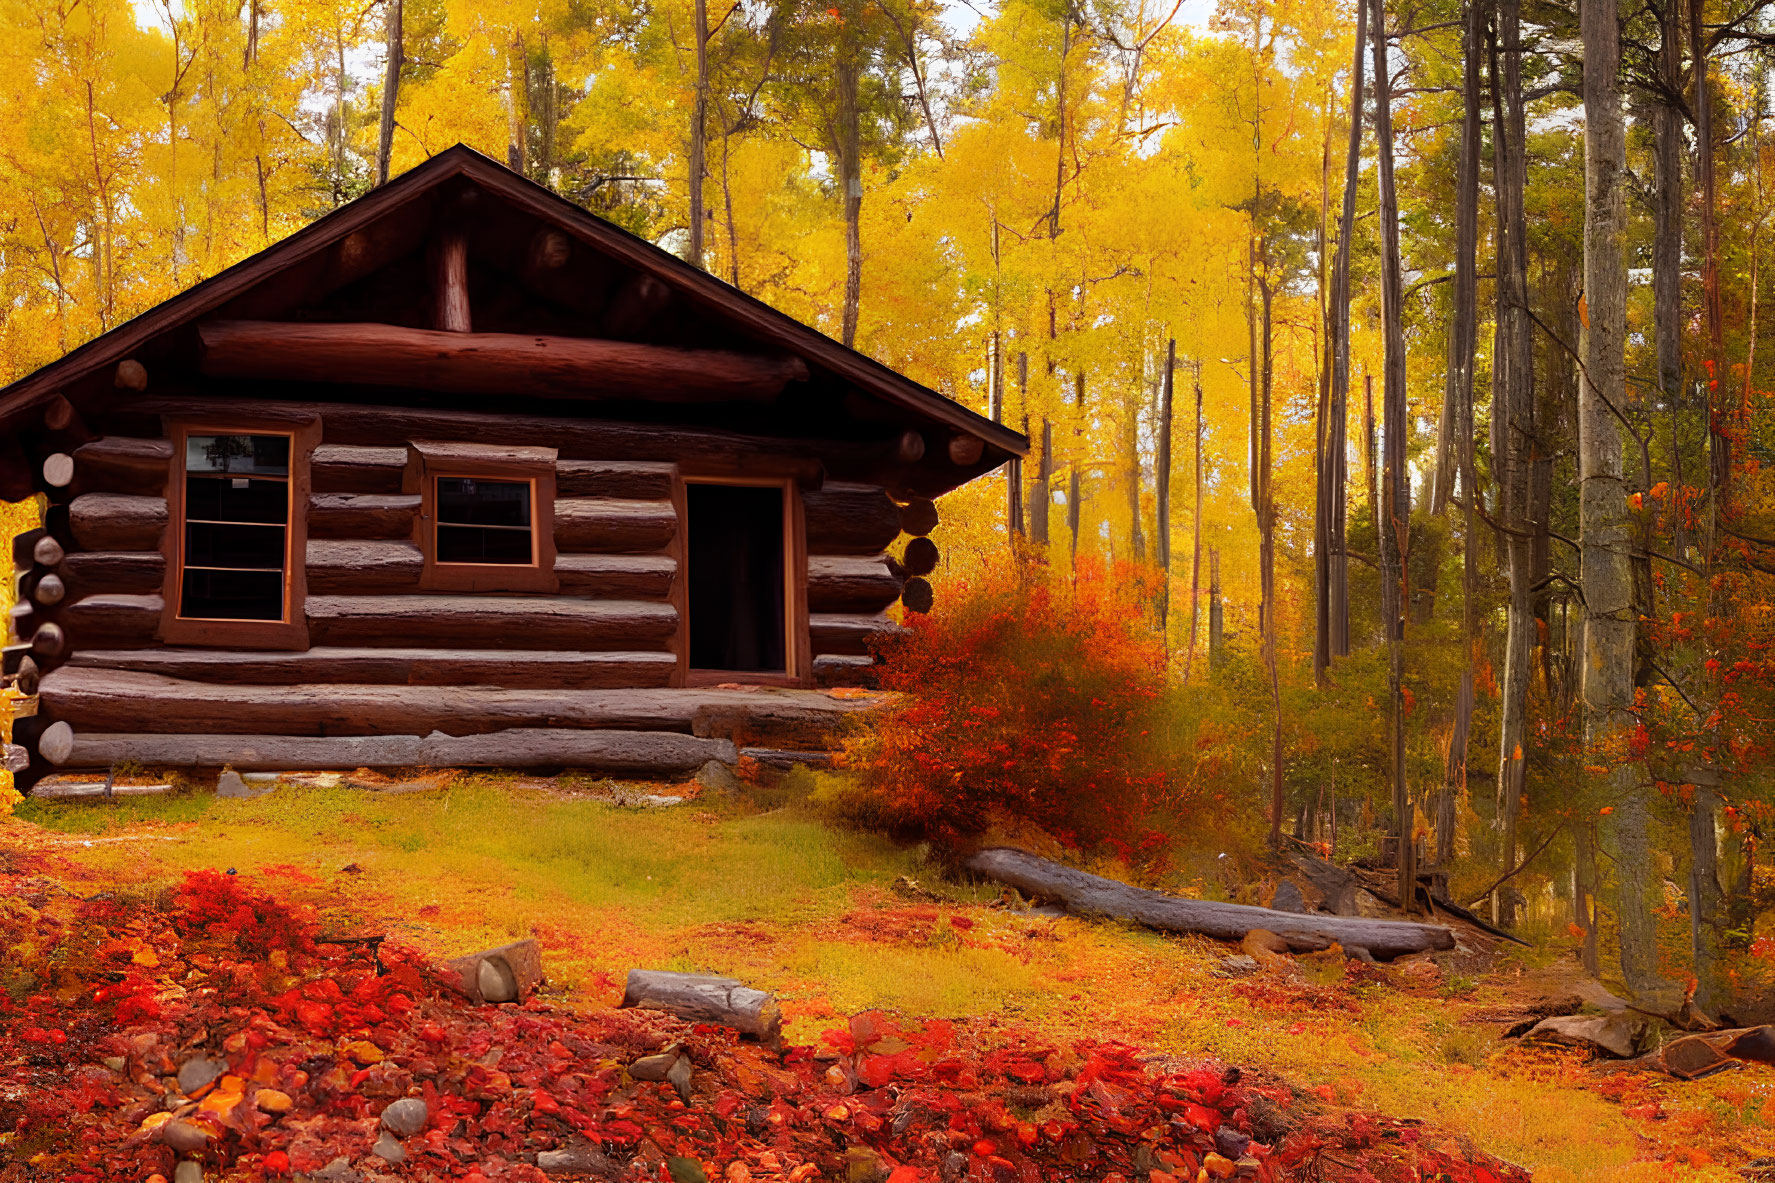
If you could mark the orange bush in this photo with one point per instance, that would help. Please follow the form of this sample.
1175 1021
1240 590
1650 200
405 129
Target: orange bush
1024 695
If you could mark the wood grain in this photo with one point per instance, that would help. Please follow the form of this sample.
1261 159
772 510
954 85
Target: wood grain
490 622
116 521
362 515
516 668
607 524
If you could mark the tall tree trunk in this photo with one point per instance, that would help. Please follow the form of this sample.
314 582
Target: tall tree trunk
1606 531
1394 522
1369 475
1014 477
1463 327
851 179
1041 493
1266 525
699 128
1216 613
1331 563
1162 539
1513 430
1195 575
1074 516
391 90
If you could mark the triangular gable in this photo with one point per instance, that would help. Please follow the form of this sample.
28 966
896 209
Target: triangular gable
323 261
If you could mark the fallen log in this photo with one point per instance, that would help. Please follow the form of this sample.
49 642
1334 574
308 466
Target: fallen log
1094 895
704 999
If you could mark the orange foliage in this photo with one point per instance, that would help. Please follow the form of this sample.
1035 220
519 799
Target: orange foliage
1026 695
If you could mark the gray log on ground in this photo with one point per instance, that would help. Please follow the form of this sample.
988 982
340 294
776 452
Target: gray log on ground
633 753
1094 895
704 999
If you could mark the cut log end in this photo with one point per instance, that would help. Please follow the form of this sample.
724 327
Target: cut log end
56 743
917 595
965 450
58 470
131 375
47 551
918 516
921 556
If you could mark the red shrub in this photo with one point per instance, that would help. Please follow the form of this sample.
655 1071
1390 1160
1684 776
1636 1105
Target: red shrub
1024 695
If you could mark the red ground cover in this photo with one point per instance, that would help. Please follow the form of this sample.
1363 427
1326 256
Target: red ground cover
106 998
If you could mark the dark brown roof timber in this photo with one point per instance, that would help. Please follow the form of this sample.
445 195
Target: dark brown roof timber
750 313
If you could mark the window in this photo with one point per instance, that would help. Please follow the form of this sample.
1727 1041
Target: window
743 604
238 532
483 521
237 525
486 516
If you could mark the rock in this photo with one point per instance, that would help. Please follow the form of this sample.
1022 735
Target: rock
496 981
337 1171
14 758
954 1166
183 1137
655 1067
686 1170
388 1149
658 800
273 1101
679 1078
232 784
1617 1035
575 1160
1288 898
1230 1142
188 1172
116 1063
1358 953
1236 966
1218 1165
519 964
199 1071
405 1117
716 777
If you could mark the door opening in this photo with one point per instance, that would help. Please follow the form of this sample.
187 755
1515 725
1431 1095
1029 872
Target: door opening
734 549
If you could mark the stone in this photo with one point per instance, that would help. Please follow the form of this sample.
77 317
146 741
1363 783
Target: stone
183 1137
116 1063
716 777
188 1172
659 800
405 1117
199 1071
337 1171
1617 1035
954 1166
496 982
388 1148
232 784
273 1101
1358 953
1230 1142
1288 898
1236 966
656 1067
575 1160
14 758
520 961
679 1078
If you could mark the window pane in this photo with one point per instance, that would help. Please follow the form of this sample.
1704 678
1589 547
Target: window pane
264 455
466 501
482 544
233 595
236 499
208 545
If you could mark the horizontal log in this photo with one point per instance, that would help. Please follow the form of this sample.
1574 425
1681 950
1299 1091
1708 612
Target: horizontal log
608 524
1088 894
111 617
356 566
836 669
636 480
362 515
850 519
120 464
517 669
341 468
488 363
621 577
94 572
699 998
491 622
115 521
708 452
848 634
623 753
97 699
843 583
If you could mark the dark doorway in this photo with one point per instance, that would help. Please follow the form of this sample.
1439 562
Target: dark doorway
735 555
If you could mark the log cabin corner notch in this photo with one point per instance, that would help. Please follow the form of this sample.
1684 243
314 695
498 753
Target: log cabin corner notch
462 474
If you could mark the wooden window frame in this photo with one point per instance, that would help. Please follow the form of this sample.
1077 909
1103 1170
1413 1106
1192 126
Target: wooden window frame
427 461
291 632
798 646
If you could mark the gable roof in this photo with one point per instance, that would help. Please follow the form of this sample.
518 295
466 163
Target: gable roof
747 313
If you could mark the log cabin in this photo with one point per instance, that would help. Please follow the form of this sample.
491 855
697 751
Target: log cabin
463 475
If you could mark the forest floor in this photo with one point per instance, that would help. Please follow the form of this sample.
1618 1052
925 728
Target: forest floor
838 923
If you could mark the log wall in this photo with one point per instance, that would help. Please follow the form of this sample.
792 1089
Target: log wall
389 658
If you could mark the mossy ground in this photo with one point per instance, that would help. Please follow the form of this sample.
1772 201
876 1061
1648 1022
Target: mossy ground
774 896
